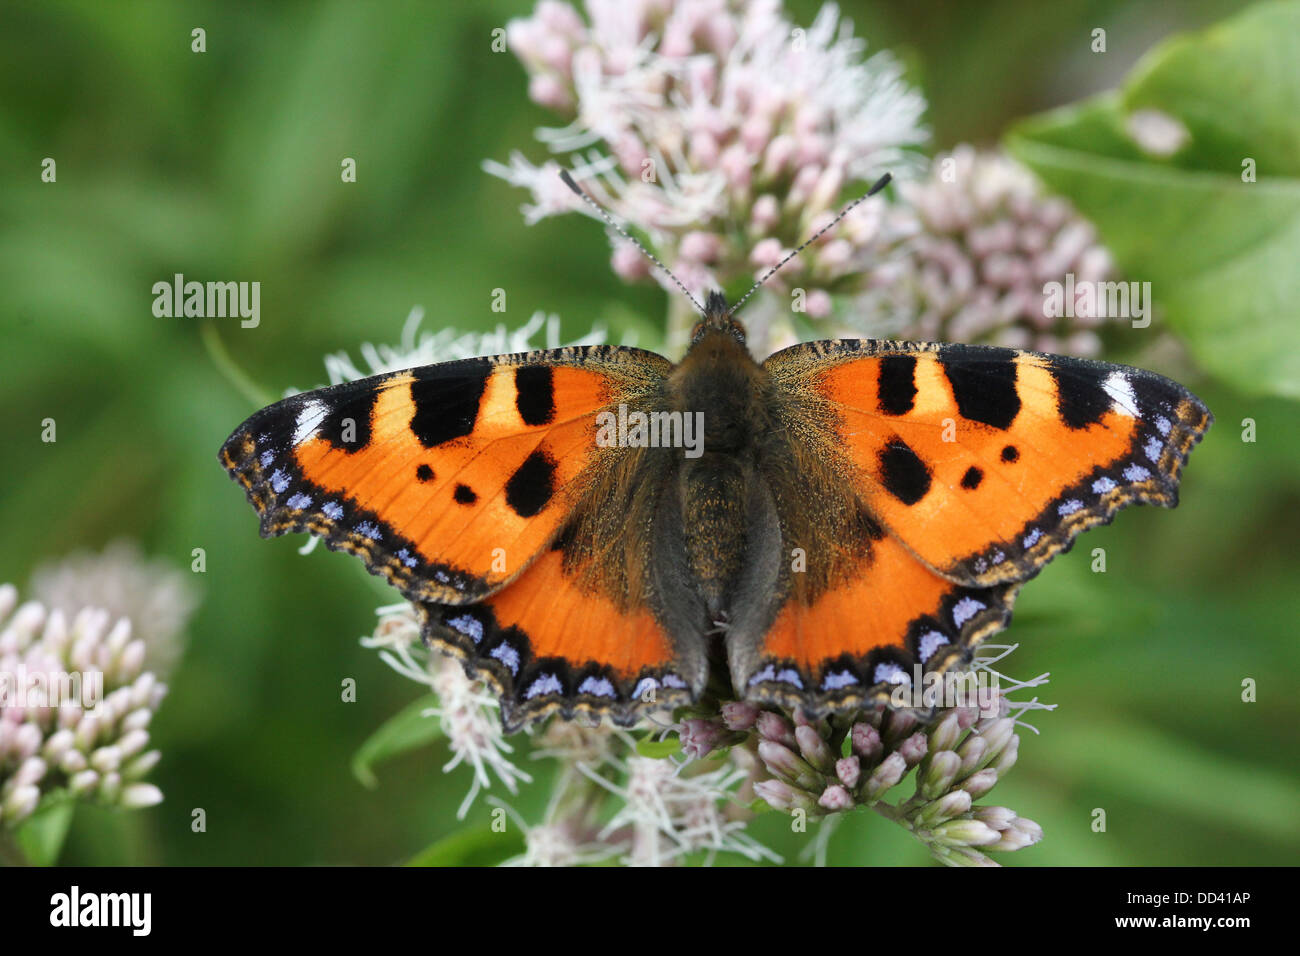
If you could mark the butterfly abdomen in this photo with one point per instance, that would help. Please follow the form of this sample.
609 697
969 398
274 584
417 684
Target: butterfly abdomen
724 387
714 491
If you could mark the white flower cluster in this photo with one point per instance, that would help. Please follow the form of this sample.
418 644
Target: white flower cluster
75 707
469 714
447 345
123 581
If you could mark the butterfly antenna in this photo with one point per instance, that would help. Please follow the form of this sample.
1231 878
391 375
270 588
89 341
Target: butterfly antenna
880 184
582 194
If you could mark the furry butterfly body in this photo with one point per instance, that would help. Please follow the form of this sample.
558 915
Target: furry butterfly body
856 508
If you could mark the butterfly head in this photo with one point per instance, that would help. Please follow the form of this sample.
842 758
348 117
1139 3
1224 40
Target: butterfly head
717 318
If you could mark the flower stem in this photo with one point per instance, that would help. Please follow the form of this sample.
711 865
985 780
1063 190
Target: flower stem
235 375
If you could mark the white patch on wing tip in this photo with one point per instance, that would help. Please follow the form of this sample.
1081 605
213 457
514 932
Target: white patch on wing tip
1069 507
1103 485
1136 473
1120 390
310 416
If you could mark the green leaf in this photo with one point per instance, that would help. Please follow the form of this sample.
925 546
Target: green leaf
477 845
41 836
658 749
406 730
1220 253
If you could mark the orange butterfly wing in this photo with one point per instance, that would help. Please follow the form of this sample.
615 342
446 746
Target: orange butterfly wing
446 480
547 643
976 465
854 642
986 462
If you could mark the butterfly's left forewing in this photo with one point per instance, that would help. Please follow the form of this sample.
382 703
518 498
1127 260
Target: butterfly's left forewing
446 480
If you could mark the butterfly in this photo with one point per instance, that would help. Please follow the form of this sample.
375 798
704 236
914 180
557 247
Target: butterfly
598 531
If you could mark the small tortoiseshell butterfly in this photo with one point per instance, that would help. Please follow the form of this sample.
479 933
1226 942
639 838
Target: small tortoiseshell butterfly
855 508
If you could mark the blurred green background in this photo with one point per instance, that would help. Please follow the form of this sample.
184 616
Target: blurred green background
226 165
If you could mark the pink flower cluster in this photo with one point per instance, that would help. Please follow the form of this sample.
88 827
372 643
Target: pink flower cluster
722 130
984 244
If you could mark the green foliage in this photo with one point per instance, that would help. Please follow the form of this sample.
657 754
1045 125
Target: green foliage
658 749
41 836
1215 226
409 729
477 845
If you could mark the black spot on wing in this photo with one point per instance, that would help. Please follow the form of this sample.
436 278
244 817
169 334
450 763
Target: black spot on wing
903 473
983 382
532 485
447 400
347 424
897 384
424 473
1080 391
535 394
1010 453
465 495
971 480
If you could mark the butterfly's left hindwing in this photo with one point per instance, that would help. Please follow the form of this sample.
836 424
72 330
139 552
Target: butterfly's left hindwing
546 643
